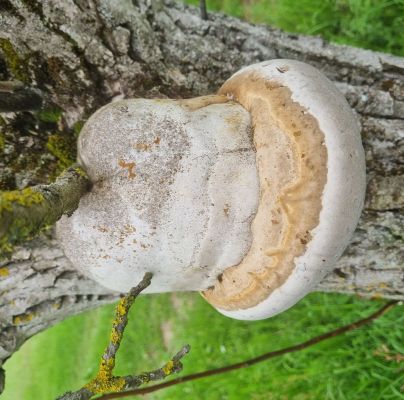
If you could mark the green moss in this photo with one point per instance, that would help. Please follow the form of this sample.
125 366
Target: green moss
80 171
16 64
63 148
51 115
77 127
17 228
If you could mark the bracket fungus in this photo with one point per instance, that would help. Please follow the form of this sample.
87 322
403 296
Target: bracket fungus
249 196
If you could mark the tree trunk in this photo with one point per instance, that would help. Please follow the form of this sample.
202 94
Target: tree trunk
81 54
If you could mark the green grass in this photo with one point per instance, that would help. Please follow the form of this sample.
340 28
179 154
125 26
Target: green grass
350 367
371 24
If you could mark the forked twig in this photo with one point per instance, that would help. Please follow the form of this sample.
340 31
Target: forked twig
105 381
247 363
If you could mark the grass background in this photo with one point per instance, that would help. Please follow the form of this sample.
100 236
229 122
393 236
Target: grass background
372 24
364 364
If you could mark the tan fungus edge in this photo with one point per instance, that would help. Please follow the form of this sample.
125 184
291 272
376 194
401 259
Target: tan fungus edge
292 167
197 103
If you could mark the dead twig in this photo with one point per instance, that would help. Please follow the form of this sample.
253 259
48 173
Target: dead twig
256 360
105 381
202 7
16 96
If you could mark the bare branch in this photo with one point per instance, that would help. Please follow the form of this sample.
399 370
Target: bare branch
119 325
202 7
2 379
82 394
105 381
266 356
15 96
24 213
172 366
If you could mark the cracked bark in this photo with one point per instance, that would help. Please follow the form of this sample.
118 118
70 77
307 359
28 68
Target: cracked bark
81 54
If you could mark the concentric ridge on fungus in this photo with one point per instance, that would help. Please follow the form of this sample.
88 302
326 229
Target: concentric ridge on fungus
292 165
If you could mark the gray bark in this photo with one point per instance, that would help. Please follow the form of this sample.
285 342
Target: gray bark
80 54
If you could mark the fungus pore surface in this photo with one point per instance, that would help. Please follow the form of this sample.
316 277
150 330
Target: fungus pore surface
292 168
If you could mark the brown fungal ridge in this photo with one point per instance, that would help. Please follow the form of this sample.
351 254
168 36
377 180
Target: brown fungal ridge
130 166
292 170
202 101
147 146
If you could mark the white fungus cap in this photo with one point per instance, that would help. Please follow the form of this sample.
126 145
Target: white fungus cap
175 188
309 148
249 196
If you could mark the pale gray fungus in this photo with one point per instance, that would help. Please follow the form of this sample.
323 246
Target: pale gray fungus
249 196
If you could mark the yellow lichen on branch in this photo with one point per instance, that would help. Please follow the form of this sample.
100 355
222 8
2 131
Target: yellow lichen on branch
24 213
168 368
114 336
25 198
105 381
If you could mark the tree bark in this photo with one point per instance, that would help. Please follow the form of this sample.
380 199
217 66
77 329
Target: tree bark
81 54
